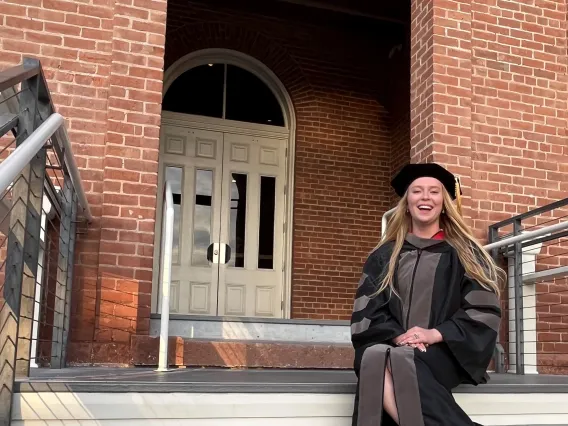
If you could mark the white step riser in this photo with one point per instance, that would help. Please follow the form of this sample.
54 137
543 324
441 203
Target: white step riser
306 421
146 409
273 331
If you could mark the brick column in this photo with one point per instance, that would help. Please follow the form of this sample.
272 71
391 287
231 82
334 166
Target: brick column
130 175
440 86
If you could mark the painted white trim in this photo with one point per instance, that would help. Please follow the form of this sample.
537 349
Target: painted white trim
242 60
240 409
224 126
166 237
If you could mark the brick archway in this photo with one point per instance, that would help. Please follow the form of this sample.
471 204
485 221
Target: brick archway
208 35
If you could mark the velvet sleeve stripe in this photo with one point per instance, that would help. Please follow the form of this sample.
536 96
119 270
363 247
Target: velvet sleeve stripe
361 303
371 319
482 297
486 318
361 326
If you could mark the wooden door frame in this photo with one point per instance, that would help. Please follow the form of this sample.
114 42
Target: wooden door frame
234 127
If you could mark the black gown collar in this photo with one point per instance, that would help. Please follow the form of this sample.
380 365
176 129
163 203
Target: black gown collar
422 243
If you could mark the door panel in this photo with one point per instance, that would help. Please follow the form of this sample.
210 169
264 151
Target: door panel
229 221
198 154
251 282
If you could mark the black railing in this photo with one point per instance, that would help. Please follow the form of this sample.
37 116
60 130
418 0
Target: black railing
534 337
41 203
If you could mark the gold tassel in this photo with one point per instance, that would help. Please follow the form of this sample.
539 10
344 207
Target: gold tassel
458 196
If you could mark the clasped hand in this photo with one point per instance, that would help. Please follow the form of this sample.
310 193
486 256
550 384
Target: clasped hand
419 338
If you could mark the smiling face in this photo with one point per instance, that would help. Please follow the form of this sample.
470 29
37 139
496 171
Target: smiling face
425 201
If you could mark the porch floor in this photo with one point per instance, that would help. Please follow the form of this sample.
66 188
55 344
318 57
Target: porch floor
195 380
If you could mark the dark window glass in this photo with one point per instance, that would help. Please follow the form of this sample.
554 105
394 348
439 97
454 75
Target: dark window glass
249 99
198 91
238 219
202 217
266 223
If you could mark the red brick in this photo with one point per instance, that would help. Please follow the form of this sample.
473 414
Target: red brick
488 93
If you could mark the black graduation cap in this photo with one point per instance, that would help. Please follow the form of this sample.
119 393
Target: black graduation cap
411 172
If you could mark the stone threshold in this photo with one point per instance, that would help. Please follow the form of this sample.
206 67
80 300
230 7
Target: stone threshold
259 320
266 329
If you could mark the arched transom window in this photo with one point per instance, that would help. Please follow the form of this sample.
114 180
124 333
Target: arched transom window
224 91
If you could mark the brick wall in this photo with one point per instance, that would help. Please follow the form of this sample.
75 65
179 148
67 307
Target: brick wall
519 119
441 87
342 142
508 114
421 80
70 39
488 99
103 62
519 106
496 107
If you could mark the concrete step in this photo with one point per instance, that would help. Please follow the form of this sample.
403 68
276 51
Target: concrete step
253 409
149 409
214 397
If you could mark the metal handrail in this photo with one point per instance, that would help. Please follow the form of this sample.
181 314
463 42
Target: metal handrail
23 154
55 127
12 166
17 74
531 213
527 235
40 154
166 274
513 246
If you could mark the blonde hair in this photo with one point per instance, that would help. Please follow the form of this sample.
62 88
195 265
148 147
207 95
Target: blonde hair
478 264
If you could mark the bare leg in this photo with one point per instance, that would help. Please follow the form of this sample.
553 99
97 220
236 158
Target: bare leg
389 401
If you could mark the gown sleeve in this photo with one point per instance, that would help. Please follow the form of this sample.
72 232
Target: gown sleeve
372 321
471 333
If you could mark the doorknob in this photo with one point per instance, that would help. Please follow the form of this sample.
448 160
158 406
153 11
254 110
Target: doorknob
213 253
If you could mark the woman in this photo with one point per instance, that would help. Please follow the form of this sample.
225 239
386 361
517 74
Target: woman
426 311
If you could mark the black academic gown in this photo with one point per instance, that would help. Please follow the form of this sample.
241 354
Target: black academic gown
434 292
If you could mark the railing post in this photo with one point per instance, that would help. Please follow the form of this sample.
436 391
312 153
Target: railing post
29 104
16 314
10 311
62 273
518 288
499 354
40 282
165 275
70 263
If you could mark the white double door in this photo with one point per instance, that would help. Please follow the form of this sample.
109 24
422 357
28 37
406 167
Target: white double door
229 219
